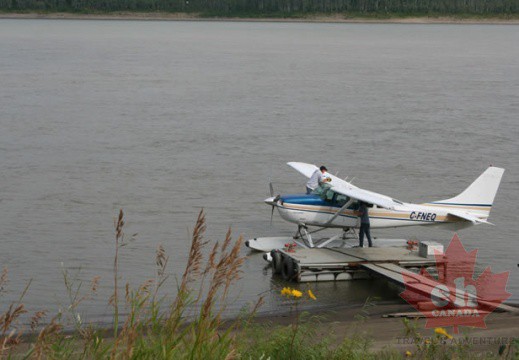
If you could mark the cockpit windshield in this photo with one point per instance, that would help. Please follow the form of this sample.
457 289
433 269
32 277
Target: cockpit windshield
321 190
325 192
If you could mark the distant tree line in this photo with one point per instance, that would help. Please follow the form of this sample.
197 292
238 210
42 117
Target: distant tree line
481 7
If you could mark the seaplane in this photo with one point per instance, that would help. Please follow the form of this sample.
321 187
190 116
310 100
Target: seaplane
334 203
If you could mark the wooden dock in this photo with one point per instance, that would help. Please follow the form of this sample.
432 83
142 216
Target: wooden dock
390 263
327 264
424 286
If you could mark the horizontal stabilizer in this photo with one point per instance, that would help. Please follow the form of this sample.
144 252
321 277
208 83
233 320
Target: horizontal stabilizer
468 217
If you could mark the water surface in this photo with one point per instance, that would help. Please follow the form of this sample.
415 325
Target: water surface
165 118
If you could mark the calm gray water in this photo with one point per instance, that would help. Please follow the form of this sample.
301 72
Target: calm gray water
165 118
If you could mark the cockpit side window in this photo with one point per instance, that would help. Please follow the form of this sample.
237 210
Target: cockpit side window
328 195
340 200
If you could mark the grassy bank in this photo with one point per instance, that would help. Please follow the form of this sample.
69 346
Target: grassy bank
158 329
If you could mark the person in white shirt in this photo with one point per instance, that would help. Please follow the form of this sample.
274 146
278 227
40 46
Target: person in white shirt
317 179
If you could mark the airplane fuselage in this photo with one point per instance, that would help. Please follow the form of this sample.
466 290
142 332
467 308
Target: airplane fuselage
313 210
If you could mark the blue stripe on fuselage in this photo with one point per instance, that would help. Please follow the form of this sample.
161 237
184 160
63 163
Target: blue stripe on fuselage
459 204
310 199
318 211
304 199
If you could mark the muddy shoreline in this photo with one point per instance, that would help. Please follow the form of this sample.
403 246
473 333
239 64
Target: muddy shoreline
386 331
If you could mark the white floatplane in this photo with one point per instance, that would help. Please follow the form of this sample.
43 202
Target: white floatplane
334 203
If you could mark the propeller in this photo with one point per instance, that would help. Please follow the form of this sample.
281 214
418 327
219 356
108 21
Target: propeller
272 202
272 211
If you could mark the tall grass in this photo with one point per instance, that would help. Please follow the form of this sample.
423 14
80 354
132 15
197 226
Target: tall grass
191 325
152 328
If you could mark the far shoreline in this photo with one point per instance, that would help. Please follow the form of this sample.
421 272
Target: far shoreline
335 18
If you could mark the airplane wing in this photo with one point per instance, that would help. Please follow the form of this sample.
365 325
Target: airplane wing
305 169
343 187
469 217
366 196
308 169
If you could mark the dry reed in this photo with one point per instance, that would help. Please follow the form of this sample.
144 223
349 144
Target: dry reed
146 328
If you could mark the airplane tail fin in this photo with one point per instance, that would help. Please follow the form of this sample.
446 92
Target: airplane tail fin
479 196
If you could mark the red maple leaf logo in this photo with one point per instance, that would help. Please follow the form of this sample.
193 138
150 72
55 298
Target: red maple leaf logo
455 298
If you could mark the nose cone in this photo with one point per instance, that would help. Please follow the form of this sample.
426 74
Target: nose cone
271 200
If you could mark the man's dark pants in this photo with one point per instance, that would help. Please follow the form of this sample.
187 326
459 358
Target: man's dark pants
364 229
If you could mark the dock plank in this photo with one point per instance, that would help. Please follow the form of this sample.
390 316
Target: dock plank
323 256
423 285
388 254
326 256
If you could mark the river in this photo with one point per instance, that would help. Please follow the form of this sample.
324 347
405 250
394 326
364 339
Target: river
163 118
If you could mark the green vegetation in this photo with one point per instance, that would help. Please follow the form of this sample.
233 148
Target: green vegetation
280 8
357 15
156 329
